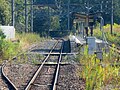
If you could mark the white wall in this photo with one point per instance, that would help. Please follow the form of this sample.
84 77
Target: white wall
9 31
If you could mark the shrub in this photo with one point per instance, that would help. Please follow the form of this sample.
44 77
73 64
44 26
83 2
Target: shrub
99 74
26 39
114 38
9 49
2 36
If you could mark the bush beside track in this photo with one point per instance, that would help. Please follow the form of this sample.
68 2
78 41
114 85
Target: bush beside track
10 48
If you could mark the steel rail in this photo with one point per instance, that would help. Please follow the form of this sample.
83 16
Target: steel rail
39 69
12 85
5 76
9 82
58 68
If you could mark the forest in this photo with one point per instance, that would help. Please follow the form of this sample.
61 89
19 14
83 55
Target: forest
53 15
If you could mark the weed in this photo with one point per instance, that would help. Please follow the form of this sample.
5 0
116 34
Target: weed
114 38
34 61
98 74
9 49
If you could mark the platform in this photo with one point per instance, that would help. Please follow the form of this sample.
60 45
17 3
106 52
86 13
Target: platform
77 40
98 46
82 41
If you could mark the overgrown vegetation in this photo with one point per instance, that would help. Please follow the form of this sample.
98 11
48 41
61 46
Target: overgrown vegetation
111 38
27 39
9 49
98 75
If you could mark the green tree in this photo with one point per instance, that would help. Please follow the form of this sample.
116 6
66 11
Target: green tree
117 11
41 21
5 12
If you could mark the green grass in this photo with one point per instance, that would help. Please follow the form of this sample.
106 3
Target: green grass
114 38
27 39
99 74
9 49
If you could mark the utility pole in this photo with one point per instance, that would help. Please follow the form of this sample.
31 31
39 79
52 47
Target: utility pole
101 7
48 21
68 15
101 24
111 31
13 15
88 10
26 17
31 15
60 13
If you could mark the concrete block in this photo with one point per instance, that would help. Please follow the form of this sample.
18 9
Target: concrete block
91 45
9 31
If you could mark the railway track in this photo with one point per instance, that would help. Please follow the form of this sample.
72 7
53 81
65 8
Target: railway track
46 76
3 85
7 82
49 75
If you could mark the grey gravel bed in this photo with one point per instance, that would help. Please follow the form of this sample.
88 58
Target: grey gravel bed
3 85
69 80
35 57
43 47
20 74
23 67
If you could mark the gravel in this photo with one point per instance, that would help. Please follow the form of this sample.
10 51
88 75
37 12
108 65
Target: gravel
20 74
69 80
45 78
23 67
43 47
3 85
